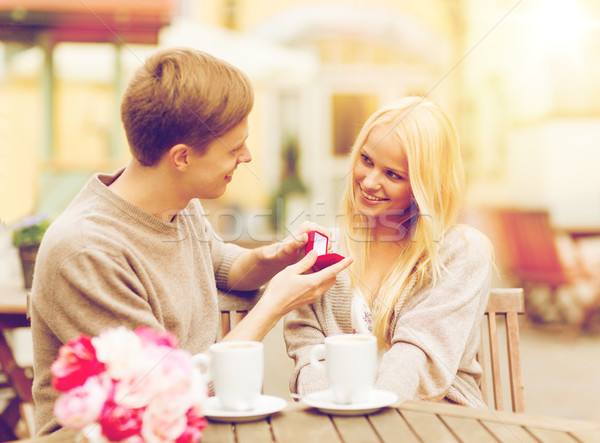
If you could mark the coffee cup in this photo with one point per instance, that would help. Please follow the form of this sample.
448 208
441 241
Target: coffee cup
236 370
350 363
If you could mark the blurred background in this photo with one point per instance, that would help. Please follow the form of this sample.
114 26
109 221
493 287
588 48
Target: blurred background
521 79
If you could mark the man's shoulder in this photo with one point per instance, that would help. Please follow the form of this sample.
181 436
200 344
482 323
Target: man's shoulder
88 222
71 233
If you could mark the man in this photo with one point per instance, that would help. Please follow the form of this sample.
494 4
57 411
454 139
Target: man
134 248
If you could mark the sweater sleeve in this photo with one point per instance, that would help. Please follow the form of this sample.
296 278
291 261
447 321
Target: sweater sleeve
438 330
222 254
228 252
87 292
302 331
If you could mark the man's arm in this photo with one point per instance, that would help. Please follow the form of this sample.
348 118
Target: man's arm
288 290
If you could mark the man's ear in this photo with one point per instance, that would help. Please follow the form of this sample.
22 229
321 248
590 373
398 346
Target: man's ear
179 156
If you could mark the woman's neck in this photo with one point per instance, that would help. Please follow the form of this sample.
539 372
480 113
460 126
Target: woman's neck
391 231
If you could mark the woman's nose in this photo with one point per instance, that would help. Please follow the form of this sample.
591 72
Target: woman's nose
371 180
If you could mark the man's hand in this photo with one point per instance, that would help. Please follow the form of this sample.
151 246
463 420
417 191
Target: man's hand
292 287
291 249
255 267
288 290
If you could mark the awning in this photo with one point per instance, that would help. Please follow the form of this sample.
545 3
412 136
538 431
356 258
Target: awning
117 21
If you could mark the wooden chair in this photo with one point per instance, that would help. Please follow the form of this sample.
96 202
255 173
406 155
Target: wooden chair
507 303
544 260
234 305
17 379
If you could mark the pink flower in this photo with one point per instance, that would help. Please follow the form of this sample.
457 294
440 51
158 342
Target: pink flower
130 387
82 405
75 363
160 338
141 383
119 423
164 420
119 349
177 367
193 431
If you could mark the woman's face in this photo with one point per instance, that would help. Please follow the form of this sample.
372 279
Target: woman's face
380 176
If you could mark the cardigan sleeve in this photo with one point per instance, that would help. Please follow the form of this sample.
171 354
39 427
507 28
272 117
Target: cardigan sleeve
302 330
308 326
437 332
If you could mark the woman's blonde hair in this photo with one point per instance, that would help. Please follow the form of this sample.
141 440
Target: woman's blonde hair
429 140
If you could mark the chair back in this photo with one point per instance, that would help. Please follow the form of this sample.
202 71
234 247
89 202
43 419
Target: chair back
233 307
525 243
502 362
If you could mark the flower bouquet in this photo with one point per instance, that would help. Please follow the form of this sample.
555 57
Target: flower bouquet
129 386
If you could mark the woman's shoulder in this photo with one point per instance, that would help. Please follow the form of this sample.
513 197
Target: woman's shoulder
467 233
467 238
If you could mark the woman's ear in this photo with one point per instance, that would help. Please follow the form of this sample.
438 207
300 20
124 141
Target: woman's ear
179 156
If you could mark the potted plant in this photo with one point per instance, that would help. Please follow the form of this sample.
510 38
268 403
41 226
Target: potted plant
26 236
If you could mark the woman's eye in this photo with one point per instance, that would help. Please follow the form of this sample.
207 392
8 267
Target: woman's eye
393 175
366 159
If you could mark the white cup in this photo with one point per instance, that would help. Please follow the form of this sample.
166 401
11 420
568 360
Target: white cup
350 365
236 370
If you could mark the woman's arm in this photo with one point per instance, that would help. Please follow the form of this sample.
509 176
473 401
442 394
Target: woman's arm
438 331
302 331
308 326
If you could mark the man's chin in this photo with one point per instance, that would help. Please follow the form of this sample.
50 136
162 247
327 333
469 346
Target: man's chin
211 195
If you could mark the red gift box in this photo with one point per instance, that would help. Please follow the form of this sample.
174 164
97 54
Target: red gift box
320 243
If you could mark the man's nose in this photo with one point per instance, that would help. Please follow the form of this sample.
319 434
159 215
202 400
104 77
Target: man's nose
245 155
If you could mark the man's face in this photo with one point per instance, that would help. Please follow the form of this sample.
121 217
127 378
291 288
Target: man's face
213 170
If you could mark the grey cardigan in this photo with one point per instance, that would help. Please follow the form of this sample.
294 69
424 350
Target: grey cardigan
435 336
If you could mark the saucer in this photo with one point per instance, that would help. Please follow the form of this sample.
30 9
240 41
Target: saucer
323 401
266 406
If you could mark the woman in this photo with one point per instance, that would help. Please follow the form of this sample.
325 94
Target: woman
419 281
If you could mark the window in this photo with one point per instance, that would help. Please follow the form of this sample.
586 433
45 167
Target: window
350 111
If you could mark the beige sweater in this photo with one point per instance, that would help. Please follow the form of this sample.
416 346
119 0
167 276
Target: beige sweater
435 337
105 262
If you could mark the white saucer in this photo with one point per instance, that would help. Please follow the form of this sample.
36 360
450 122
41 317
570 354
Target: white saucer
266 406
323 401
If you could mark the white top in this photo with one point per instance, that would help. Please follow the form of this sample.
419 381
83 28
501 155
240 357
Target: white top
362 318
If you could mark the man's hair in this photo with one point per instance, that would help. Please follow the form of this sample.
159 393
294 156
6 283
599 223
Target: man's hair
182 95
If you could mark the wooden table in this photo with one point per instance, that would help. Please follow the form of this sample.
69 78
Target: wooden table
408 422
